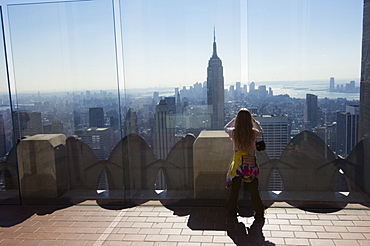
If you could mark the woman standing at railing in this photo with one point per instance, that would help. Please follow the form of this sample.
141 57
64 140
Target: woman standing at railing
244 130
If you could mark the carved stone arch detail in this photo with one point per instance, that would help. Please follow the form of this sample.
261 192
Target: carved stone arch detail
307 150
133 154
113 171
152 171
179 165
286 171
10 175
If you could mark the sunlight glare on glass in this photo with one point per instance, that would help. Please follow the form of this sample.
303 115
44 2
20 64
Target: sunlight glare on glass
276 192
344 193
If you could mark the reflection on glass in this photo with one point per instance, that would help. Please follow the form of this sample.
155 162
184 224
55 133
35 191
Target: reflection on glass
180 62
8 170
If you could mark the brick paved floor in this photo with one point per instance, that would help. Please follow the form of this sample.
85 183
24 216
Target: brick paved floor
155 224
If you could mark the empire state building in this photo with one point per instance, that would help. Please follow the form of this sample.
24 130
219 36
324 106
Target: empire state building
215 90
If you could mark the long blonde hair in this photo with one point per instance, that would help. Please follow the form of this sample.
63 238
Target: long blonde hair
243 131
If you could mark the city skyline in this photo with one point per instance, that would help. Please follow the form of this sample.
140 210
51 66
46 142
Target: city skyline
168 44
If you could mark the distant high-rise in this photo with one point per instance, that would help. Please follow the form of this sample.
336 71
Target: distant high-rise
262 91
171 102
332 84
2 137
96 117
364 121
163 132
99 140
27 123
310 112
276 133
56 127
131 122
215 90
252 87
347 129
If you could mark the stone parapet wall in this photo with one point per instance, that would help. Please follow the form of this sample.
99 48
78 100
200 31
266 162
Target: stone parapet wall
212 155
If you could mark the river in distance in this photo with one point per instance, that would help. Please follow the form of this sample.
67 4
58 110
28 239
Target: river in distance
300 89
294 89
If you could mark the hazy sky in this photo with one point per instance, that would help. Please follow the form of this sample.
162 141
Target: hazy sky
72 46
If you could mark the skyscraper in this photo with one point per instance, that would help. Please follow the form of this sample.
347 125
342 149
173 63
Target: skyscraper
332 84
98 139
131 122
310 112
27 123
276 133
347 129
252 87
96 117
364 121
163 132
2 137
163 137
215 90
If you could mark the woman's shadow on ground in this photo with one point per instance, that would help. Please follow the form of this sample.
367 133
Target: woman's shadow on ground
216 219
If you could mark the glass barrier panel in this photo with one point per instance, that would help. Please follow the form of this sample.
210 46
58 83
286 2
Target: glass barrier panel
127 100
66 99
9 192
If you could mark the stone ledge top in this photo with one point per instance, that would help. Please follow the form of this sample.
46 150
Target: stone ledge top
213 134
54 139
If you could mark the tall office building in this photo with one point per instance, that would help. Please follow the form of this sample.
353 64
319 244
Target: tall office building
99 140
364 121
56 127
163 132
215 90
276 133
252 87
347 129
27 123
131 122
310 112
171 102
163 137
262 91
2 137
332 84
96 117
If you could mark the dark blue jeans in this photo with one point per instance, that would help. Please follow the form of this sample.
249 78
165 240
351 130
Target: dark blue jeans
257 204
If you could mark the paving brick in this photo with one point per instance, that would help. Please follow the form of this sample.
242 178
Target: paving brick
321 222
149 231
171 231
188 244
142 244
282 234
321 242
346 242
291 228
335 228
331 235
296 241
278 222
156 238
178 238
305 234
301 222
352 236
165 244
313 228
364 242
